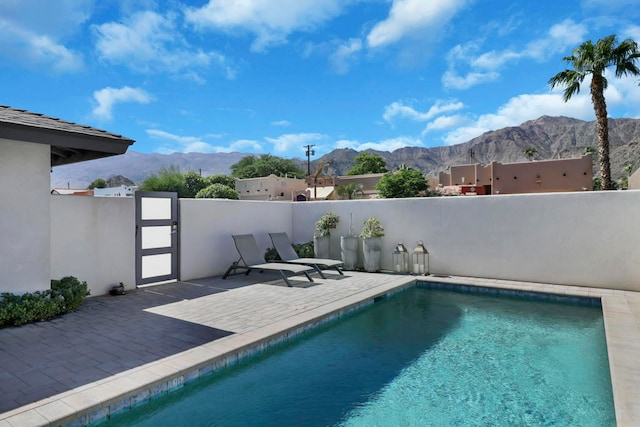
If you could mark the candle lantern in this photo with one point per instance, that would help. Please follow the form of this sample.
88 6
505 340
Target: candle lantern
400 258
420 259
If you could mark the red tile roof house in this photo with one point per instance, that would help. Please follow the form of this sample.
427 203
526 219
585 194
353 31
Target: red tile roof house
30 145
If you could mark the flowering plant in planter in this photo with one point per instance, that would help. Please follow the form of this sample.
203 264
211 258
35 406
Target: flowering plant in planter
326 222
371 228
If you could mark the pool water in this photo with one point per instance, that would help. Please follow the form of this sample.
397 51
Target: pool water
422 357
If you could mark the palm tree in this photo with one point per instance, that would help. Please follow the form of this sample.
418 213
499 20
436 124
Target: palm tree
349 191
530 152
594 59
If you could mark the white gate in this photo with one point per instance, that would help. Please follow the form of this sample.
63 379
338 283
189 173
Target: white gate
156 237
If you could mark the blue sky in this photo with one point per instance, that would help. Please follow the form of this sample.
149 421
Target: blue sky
271 76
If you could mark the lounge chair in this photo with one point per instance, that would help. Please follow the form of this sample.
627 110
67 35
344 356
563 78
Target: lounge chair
250 259
286 252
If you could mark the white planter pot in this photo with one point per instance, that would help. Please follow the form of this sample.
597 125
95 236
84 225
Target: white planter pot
321 246
349 252
372 251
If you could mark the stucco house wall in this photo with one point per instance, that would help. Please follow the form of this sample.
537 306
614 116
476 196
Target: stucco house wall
93 239
543 176
272 187
634 181
24 216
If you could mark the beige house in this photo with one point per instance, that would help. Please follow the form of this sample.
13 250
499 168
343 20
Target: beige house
543 176
367 182
634 181
270 187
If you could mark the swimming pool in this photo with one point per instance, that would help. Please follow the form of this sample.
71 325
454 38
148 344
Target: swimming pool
420 357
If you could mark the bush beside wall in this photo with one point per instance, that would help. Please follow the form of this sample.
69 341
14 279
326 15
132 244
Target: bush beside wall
65 296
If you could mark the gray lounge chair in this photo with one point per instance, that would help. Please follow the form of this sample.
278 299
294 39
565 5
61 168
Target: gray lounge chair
251 259
286 252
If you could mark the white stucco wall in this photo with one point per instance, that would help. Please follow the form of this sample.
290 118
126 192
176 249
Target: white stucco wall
587 239
93 239
24 216
206 226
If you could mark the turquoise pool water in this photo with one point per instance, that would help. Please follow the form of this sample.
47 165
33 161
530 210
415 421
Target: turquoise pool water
422 357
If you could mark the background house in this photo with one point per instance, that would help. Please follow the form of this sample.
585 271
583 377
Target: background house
270 187
542 176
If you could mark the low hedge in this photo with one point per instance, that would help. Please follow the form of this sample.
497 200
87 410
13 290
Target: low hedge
65 296
304 250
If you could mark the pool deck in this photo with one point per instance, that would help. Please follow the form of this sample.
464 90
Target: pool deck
118 352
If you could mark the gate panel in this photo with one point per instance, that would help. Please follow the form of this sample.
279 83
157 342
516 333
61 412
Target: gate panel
157 235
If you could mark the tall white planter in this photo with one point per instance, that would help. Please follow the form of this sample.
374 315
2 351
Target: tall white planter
372 251
321 246
349 252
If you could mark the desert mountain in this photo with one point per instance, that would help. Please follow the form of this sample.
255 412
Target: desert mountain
551 137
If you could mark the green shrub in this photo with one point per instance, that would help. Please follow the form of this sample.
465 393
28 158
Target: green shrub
217 191
304 250
65 296
70 293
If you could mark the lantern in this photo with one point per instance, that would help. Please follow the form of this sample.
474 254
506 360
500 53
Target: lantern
400 258
420 259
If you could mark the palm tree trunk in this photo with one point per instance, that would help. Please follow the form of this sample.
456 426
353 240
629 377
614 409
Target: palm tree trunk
602 129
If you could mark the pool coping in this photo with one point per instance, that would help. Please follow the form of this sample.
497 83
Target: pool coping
96 401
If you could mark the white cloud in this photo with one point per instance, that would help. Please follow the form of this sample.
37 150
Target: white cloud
31 34
186 144
631 32
445 122
108 97
384 145
345 54
451 80
281 123
560 38
410 16
147 41
270 24
521 108
398 109
244 145
288 142
172 143
622 96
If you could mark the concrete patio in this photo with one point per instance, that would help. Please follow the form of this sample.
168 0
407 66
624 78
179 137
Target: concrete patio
116 352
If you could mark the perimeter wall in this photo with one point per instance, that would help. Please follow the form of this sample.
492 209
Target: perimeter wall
582 238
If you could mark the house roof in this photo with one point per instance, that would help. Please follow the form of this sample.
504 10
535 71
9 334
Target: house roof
70 142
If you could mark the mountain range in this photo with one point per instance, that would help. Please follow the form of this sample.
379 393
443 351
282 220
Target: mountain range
550 137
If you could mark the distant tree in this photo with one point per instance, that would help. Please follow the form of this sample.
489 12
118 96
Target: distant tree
623 182
166 179
589 150
594 59
193 182
349 191
97 183
628 170
229 181
530 152
365 163
217 191
402 183
265 165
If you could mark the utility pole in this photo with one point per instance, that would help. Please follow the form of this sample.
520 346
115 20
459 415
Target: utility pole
310 152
